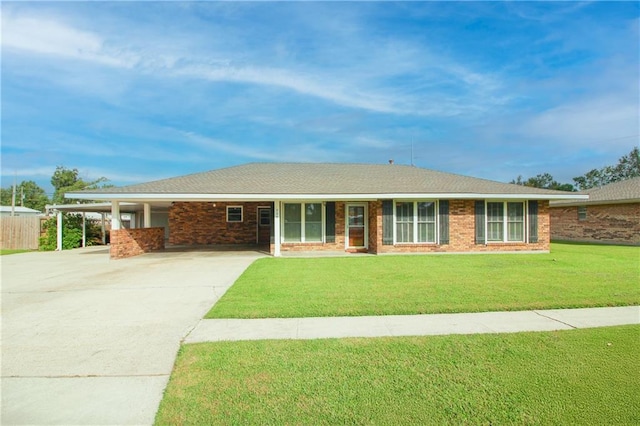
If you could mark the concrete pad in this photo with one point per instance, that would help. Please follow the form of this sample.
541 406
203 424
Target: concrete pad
81 400
595 317
77 324
339 327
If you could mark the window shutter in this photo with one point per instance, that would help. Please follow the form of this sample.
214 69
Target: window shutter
330 221
480 232
444 221
533 221
387 222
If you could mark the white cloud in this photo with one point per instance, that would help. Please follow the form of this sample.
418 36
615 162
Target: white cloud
47 36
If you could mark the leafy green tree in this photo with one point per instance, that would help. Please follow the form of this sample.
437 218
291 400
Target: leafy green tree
28 194
628 167
545 181
67 180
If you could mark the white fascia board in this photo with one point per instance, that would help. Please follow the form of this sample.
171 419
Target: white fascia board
336 197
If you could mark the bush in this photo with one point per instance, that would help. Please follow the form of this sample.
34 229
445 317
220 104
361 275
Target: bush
71 233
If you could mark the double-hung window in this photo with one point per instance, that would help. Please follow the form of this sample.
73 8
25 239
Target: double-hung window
416 222
302 222
505 221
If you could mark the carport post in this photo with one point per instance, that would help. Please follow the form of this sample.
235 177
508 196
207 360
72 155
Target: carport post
276 228
147 215
103 228
84 229
115 215
59 232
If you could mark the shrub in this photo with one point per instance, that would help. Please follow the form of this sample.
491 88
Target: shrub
71 233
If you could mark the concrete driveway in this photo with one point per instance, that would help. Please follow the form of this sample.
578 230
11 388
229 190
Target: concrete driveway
89 340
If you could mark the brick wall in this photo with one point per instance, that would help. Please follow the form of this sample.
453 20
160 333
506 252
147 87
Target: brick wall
462 234
202 223
133 242
613 223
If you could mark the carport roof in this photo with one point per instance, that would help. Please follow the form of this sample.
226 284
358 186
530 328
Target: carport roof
318 180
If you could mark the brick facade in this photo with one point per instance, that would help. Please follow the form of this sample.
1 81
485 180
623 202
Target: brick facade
462 234
611 223
133 242
202 223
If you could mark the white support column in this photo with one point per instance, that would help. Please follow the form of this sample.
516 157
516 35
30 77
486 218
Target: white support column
84 229
276 228
133 220
147 215
115 215
59 232
103 228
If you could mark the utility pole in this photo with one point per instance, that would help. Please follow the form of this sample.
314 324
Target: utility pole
21 196
13 198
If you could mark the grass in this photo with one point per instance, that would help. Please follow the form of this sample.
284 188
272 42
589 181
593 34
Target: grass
4 252
565 377
568 277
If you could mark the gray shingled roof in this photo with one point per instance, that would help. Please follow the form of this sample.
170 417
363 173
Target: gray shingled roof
323 178
626 191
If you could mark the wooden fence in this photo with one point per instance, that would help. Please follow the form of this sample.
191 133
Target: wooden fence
19 232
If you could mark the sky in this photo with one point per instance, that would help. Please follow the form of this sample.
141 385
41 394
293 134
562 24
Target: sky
139 91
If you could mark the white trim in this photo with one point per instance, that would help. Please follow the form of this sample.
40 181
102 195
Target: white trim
436 223
241 214
505 223
365 223
276 228
307 197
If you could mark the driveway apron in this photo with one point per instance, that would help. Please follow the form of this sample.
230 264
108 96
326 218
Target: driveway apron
89 340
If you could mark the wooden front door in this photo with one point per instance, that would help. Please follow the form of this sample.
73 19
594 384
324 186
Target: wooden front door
356 226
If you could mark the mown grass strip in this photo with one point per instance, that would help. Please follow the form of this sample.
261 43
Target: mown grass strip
570 276
582 376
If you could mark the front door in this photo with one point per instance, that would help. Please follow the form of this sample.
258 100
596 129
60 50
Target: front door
264 225
356 226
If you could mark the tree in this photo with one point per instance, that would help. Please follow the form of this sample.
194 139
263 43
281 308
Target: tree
628 167
28 194
545 181
67 180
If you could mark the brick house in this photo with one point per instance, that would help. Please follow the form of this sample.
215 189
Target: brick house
611 215
335 207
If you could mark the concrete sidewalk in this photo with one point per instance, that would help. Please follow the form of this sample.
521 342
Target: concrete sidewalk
212 330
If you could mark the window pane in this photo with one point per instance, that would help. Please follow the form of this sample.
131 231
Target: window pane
495 224
427 222
293 222
234 214
404 222
313 222
515 222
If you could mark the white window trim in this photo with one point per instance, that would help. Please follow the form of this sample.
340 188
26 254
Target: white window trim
415 222
505 222
303 223
241 214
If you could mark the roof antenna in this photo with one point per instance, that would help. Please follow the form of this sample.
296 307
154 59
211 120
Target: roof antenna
411 153
391 161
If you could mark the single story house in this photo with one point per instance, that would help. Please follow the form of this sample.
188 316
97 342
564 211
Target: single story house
375 208
611 215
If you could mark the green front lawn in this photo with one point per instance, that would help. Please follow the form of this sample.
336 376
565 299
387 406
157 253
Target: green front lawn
565 377
570 276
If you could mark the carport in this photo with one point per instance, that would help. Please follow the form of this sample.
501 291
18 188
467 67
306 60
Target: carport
142 215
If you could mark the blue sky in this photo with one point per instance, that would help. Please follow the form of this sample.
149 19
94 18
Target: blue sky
138 91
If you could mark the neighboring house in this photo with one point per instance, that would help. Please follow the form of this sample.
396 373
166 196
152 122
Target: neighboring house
19 211
335 207
611 215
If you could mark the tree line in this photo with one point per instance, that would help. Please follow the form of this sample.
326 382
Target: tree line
30 194
628 167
